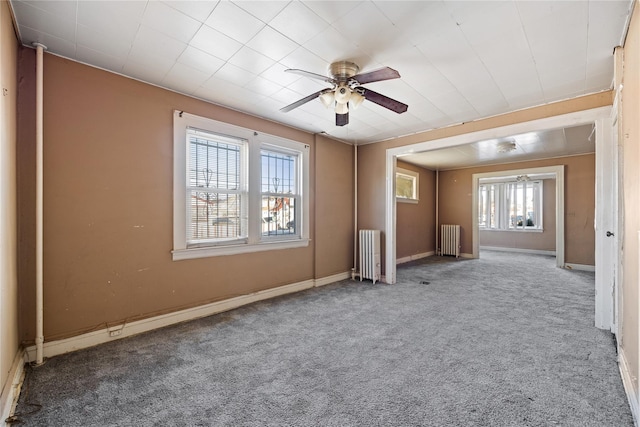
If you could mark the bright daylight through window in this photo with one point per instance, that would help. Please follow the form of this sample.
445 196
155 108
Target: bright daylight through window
514 205
236 190
406 185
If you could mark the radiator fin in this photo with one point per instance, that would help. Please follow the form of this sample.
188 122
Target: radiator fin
450 240
370 255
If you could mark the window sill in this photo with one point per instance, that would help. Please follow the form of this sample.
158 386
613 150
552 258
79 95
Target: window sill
535 230
211 251
403 200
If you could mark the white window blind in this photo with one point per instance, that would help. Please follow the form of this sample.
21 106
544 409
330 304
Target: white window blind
216 188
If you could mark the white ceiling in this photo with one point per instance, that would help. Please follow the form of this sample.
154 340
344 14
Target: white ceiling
569 141
459 61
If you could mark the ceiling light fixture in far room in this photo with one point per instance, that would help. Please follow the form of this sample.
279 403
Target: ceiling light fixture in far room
506 146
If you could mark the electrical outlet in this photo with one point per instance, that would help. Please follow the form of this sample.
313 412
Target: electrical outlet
115 333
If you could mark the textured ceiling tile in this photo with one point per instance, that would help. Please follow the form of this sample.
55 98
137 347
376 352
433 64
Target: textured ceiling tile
215 43
273 44
233 21
298 22
170 22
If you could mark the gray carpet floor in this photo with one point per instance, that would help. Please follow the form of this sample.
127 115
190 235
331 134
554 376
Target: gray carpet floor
506 340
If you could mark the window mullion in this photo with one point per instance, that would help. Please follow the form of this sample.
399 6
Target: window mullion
254 197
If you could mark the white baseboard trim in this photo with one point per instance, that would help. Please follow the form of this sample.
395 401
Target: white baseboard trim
519 250
332 279
11 390
54 348
631 392
414 257
582 267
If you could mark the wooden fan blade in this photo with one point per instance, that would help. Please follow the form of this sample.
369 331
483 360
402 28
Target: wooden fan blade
303 101
310 75
383 101
385 73
342 119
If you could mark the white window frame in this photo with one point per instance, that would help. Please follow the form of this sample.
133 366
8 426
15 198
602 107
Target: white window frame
502 206
414 178
255 142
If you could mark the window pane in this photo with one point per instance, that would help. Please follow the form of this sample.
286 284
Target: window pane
405 186
213 164
530 220
214 216
278 216
278 172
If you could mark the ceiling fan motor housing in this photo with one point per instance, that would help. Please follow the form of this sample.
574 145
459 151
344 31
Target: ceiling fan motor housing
343 70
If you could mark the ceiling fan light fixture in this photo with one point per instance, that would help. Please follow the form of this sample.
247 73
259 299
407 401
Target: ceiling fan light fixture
355 100
327 99
342 94
506 146
342 108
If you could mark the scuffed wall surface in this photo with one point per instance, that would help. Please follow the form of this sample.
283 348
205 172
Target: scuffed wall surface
108 171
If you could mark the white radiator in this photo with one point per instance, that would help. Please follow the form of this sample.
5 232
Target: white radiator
450 240
370 255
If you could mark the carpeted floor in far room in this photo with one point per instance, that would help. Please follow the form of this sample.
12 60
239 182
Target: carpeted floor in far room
505 340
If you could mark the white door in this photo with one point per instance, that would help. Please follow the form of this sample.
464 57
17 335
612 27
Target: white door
606 225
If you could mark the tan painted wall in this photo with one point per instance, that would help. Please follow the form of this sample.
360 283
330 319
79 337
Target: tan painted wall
542 241
630 140
371 179
108 172
416 222
9 341
334 207
455 203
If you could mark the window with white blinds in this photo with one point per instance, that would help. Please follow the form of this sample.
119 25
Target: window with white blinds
236 190
216 188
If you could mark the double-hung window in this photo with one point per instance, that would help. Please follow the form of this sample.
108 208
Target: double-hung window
510 205
216 189
236 190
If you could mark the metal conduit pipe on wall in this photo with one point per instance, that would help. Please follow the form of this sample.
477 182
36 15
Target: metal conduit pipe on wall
39 204
355 213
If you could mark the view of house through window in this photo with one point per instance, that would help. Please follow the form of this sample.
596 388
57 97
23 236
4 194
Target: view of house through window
512 205
278 193
215 187
236 190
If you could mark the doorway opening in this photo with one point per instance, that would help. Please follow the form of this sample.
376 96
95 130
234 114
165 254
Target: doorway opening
600 116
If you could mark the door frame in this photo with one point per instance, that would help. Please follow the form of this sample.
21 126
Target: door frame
554 122
558 171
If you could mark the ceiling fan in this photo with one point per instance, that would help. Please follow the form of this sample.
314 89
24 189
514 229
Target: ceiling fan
347 90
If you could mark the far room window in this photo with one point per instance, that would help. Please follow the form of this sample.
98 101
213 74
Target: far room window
236 190
406 185
513 205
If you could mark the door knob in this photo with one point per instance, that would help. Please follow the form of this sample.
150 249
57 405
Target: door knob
609 234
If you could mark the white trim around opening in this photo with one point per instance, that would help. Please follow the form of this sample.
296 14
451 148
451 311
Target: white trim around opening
564 120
